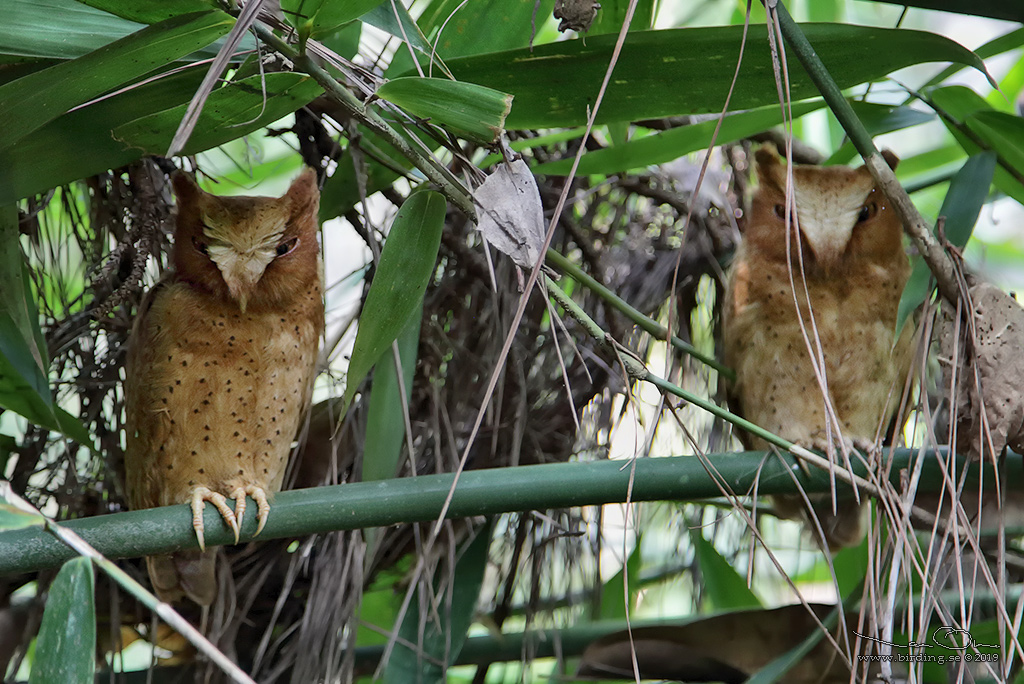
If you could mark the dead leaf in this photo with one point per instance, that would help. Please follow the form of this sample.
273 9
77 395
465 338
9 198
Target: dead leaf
722 648
577 15
511 215
990 371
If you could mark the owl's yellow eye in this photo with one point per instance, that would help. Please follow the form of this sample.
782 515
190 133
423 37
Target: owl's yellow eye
867 211
200 247
287 246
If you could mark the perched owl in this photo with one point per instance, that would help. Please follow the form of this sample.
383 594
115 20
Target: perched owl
221 363
844 255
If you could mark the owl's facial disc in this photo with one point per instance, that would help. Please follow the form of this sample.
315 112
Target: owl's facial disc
242 256
826 222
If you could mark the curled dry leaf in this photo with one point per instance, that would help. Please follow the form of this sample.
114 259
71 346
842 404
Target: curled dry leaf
990 371
511 215
723 648
577 15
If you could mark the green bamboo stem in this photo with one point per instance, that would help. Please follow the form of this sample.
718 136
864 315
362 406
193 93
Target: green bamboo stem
481 492
914 224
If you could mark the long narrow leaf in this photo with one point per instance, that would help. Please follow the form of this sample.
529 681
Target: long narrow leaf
230 112
66 650
406 265
686 71
30 102
80 143
965 107
725 588
466 109
967 193
440 643
659 148
151 11
24 384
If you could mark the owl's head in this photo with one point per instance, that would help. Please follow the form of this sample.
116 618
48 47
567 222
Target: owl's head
251 250
839 215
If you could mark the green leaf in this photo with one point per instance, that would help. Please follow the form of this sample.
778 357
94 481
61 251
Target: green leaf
851 567
466 109
384 416
230 112
24 385
67 29
80 143
403 26
879 119
30 102
613 12
396 293
1004 43
341 191
662 147
440 643
150 11
66 650
62 29
724 587
556 83
323 17
458 28
967 194
13 517
1004 133
965 106
613 592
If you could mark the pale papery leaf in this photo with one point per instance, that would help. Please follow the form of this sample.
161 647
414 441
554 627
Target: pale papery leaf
511 215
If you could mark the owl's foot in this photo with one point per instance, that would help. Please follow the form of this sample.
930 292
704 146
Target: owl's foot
200 495
262 505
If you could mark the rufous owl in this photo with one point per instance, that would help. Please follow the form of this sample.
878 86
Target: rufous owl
811 307
221 364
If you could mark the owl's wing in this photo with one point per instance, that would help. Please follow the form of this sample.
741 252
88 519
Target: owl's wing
184 573
146 425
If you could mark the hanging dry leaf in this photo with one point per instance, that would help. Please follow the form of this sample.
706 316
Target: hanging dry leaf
511 216
577 15
990 372
722 648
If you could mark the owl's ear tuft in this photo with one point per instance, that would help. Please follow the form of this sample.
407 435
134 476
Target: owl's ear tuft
185 188
891 159
303 188
304 193
769 166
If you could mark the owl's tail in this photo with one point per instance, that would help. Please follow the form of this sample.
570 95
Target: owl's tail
844 528
184 573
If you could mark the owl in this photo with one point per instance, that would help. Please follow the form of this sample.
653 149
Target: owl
220 365
811 306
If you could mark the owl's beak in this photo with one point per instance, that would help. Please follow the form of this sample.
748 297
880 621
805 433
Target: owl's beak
826 242
241 273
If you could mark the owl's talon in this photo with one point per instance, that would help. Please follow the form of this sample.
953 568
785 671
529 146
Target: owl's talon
199 498
262 505
238 494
